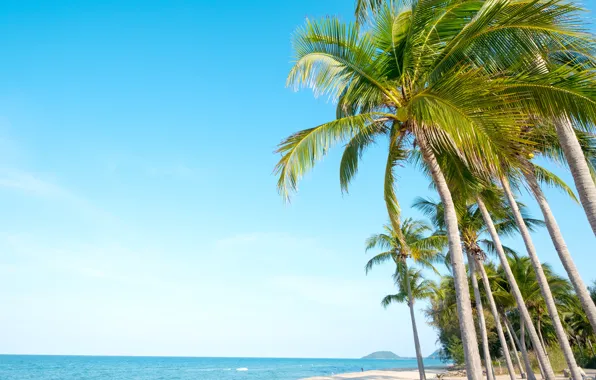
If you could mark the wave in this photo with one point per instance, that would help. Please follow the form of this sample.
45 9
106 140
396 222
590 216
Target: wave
241 369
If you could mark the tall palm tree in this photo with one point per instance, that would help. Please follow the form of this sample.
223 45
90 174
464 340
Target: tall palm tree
412 286
545 144
580 65
564 70
579 286
472 227
410 242
525 316
542 281
419 76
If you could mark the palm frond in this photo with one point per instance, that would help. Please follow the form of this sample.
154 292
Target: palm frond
381 258
551 179
303 149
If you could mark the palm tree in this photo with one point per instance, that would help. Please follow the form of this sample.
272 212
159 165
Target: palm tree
542 281
525 317
545 143
412 286
563 70
472 227
419 76
522 269
398 246
579 286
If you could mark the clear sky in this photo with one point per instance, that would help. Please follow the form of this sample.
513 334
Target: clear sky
139 210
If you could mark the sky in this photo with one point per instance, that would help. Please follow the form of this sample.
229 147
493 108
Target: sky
139 209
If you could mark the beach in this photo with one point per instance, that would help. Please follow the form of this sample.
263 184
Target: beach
406 375
396 374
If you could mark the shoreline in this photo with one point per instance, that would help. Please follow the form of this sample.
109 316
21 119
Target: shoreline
384 374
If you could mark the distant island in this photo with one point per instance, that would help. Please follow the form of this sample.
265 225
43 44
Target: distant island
434 355
382 355
388 355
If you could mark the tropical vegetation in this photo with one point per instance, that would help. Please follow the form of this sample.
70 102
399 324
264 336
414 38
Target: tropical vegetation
471 92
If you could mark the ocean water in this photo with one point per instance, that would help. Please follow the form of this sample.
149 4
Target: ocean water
30 367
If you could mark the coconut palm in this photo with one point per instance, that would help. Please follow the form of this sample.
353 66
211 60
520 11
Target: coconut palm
411 242
525 316
580 65
419 76
526 280
472 227
579 286
542 282
545 144
563 71
467 184
412 286
532 172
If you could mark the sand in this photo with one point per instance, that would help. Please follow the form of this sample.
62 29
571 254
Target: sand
406 375
381 375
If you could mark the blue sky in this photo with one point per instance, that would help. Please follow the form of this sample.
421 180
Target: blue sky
140 214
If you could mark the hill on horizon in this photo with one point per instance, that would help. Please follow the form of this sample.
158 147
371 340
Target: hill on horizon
434 355
382 355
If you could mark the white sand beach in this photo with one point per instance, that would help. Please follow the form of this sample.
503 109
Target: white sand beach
381 375
406 375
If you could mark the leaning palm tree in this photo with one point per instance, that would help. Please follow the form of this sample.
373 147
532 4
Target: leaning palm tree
530 288
467 184
372 75
419 77
472 228
563 72
542 281
491 281
410 242
545 144
525 316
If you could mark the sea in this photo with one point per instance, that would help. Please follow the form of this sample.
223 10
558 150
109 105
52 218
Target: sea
42 367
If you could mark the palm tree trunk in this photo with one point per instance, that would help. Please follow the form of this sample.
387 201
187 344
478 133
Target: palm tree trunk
579 168
481 322
514 346
462 291
414 328
591 347
538 327
542 283
557 237
523 310
495 312
522 334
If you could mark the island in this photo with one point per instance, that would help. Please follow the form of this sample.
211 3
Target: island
435 355
382 355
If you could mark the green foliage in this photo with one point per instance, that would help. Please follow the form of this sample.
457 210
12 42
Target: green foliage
481 83
465 74
454 351
555 356
443 317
